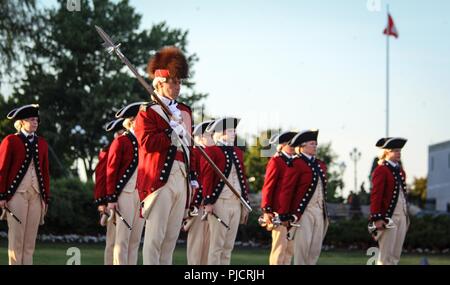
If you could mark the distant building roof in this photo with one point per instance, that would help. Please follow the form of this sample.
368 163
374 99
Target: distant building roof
439 146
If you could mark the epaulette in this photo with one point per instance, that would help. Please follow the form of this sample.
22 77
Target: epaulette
144 106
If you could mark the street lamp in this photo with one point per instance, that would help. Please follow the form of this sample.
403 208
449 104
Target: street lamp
342 166
355 155
77 132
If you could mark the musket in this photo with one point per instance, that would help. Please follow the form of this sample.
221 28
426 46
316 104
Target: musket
111 47
12 215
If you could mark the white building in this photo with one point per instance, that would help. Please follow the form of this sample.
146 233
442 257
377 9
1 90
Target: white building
439 175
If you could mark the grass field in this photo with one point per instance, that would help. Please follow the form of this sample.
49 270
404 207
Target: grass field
92 254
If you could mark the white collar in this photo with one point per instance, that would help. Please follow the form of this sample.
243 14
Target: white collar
287 155
392 163
27 133
132 131
308 156
165 100
201 144
222 143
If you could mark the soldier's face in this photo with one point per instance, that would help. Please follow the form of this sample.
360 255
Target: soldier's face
394 155
310 148
171 88
207 139
30 125
287 149
229 135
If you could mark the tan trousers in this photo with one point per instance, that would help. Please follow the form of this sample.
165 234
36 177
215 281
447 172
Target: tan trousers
391 240
282 248
198 241
221 239
110 240
22 237
126 244
309 236
164 222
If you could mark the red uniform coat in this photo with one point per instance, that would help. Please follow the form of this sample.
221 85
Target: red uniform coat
298 185
385 192
156 152
122 162
100 177
223 157
275 170
16 153
198 193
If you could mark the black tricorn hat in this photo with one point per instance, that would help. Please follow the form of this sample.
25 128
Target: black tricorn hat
222 124
115 125
27 111
200 129
130 110
305 136
282 138
381 142
391 143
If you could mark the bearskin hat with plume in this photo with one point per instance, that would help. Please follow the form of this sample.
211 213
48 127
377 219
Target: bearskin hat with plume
170 58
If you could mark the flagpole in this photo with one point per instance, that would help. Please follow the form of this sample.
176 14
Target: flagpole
387 77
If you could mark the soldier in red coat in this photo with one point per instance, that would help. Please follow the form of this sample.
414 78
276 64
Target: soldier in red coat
198 229
100 201
24 183
282 248
302 199
166 173
388 205
122 194
218 197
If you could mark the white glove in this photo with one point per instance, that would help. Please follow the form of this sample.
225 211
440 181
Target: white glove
194 184
178 129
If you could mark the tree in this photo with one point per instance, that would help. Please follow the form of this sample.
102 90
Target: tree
329 157
418 193
79 86
16 28
256 159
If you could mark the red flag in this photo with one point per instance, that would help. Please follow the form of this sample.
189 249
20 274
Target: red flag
391 30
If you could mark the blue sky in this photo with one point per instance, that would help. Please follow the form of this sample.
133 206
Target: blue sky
321 64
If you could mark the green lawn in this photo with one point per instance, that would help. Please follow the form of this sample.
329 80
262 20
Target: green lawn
93 254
